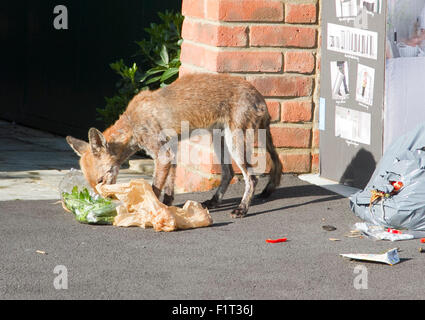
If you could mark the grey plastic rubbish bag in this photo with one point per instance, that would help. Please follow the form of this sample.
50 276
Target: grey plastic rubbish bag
403 161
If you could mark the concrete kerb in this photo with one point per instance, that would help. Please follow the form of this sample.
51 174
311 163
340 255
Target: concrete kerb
316 179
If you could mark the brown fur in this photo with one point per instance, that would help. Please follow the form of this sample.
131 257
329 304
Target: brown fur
204 101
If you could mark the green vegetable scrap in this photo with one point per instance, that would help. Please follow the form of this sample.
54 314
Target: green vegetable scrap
88 209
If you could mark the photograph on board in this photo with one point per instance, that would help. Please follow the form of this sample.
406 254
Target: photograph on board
340 80
354 41
353 125
372 6
365 84
346 8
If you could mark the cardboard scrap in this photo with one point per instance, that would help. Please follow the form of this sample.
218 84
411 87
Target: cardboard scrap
141 208
390 257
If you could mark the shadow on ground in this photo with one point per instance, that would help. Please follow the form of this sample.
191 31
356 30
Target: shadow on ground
232 198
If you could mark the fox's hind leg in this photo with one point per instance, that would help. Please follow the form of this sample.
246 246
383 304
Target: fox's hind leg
227 173
236 144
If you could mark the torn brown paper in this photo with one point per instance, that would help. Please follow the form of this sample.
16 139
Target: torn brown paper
141 208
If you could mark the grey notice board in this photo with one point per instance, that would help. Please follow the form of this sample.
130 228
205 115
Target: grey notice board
352 89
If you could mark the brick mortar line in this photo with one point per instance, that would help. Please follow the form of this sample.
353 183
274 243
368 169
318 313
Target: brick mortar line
283 98
293 151
248 23
261 74
282 50
210 149
276 75
298 1
198 68
289 125
297 99
292 125
271 73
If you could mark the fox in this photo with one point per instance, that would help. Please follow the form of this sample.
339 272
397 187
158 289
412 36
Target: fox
204 101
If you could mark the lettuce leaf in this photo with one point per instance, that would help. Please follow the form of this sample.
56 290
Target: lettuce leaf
89 209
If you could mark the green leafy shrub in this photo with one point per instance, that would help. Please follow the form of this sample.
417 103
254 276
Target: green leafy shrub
159 54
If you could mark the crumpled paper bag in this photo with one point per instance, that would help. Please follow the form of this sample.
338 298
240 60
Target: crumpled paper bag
141 208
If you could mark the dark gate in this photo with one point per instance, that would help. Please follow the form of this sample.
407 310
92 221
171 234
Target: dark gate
55 79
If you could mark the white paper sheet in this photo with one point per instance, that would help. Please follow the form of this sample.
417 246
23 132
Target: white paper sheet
353 125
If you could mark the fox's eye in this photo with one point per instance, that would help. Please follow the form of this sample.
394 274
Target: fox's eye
100 180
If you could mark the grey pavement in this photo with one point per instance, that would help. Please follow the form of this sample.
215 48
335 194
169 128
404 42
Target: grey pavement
228 260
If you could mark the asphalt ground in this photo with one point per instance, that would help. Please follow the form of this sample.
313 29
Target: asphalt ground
228 260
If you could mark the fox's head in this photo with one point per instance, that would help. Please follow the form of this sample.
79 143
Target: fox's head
97 162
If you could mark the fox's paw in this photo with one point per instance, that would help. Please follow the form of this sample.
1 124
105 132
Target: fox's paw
168 200
239 212
210 204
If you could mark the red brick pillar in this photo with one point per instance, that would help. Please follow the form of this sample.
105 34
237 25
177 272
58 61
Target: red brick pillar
274 45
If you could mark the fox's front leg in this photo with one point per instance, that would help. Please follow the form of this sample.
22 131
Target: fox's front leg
169 186
160 176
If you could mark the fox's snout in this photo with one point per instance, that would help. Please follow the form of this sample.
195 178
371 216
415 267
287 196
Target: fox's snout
110 177
97 162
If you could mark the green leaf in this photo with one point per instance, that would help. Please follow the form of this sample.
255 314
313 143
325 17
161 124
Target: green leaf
160 63
153 80
155 70
164 55
169 73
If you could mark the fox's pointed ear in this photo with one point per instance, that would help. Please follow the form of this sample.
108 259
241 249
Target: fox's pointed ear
97 141
78 145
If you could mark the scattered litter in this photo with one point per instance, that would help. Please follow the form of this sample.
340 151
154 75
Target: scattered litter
334 239
380 233
421 250
423 240
390 257
141 208
40 251
355 234
276 240
398 185
393 231
329 228
136 205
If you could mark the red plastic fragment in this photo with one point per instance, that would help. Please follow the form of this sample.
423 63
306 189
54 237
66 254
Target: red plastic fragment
276 240
397 185
393 231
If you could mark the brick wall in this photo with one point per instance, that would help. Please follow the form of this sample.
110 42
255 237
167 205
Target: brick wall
274 45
